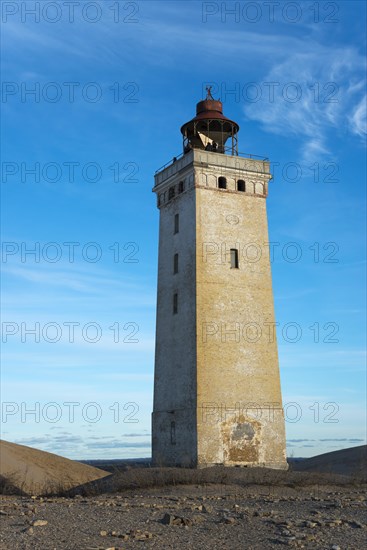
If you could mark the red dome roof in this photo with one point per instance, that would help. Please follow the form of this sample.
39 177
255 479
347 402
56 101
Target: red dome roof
210 109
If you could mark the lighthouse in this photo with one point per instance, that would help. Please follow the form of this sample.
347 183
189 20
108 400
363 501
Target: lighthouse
217 394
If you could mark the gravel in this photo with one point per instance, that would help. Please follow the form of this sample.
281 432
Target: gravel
205 517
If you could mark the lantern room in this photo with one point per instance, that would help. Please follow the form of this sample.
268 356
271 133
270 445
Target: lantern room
210 130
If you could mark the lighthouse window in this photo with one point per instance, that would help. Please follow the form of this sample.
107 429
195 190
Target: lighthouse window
181 187
175 303
173 433
241 185
222 183
175 263
176 226
171 193
234 258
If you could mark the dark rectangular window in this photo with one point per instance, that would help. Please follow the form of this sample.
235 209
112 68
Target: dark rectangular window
173 433
234 258
222 183
176 226
181 187
175 303
241 185
175 263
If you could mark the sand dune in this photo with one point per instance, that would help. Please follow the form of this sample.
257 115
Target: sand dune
33 472
352 461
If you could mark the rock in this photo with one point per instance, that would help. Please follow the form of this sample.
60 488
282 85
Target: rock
123 536
142 535
229 520
197 518
207 508
168 519
310 524
39 522
356 524
335 547
103 533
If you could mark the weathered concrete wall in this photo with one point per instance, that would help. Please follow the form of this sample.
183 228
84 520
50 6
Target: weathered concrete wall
216 359
175 358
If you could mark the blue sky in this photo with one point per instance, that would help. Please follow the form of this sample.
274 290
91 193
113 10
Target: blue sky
113 82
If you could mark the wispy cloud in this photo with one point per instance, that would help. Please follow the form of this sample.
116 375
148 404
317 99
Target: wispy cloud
76 278
117 444
316 92
69 443
358 117
344 439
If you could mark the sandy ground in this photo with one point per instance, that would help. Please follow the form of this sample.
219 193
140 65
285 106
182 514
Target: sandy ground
172 508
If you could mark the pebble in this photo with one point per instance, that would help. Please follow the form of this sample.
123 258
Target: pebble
39 522
229 520
207 508
310 524
356 524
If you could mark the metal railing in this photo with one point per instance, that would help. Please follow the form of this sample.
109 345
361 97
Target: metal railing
174 159
240 154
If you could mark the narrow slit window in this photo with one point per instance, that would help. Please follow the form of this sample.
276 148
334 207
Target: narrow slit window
175 263
173 433
175 303
241 185
234 258
222 183
181 187
176 225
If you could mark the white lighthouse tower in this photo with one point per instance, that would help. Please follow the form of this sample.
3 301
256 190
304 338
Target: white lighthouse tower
217 396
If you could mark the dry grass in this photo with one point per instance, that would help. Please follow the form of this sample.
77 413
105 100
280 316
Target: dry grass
145 478
9 485
125 477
